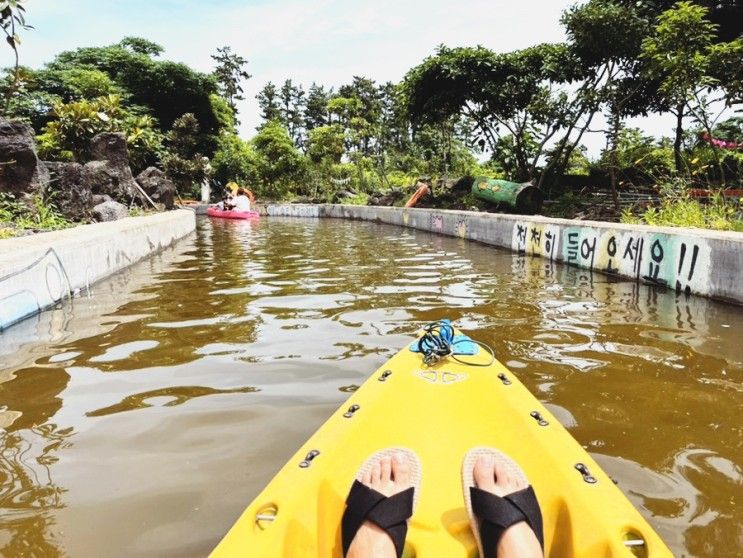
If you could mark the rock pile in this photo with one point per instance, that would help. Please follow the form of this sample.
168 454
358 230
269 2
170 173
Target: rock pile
95 190
21 171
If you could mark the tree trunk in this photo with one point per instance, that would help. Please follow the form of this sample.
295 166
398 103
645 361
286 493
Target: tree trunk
679 137
614 141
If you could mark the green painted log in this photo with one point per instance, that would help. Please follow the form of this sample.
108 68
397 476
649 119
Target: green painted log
524 198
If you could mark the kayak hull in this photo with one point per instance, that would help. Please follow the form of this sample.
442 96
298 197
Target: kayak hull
222 214
440 412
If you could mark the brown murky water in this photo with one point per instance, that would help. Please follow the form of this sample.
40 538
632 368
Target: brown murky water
141 420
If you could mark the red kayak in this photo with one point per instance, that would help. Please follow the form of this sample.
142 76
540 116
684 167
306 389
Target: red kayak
223 214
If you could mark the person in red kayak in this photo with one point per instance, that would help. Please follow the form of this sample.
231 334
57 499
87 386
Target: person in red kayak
241 202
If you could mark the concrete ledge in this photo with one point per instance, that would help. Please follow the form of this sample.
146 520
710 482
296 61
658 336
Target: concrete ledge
707 263
40 270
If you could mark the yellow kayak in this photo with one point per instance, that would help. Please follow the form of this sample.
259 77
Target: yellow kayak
441 411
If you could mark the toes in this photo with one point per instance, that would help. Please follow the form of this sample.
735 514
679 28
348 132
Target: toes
385 465
508 481
502 478
366 478
401 469
484 472
376 472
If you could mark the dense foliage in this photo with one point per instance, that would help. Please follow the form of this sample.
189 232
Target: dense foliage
124 88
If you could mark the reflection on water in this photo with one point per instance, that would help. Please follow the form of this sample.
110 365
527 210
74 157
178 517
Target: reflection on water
142 419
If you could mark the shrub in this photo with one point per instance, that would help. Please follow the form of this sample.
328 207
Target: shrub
678 209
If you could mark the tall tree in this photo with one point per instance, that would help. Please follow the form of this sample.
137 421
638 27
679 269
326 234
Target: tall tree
230 73
183 163
316 107
678 56
537 94
270 103
280 167
366 120
607 38
139 45
292 110
726 14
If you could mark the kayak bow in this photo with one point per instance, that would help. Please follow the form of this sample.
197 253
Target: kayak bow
440 412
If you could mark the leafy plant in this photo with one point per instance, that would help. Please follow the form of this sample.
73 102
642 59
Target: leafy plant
40 215
678 209
68 135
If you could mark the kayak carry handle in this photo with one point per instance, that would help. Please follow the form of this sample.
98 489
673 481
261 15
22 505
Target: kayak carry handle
312 454
386 374
266 514
503 378
635 543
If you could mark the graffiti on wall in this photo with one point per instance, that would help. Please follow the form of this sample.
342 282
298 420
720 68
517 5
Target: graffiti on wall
290 210
679 262
539 239
462 227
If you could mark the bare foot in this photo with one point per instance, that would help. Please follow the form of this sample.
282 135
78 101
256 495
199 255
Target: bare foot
518 540
389 476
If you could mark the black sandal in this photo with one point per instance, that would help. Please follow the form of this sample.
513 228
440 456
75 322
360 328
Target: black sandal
491 515
389 513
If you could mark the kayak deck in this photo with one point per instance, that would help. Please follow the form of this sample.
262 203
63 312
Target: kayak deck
440 412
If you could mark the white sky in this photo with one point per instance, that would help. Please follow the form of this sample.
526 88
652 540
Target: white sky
326 41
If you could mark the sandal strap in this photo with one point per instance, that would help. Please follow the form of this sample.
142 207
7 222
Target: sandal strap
497 514
389 513
526 501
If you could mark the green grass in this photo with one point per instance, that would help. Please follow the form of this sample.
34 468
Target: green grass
18 216
361 198
678 209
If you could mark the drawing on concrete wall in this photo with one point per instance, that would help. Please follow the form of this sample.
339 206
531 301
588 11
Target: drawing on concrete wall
539 239
437 223
289 210
462 227
28 295
679 262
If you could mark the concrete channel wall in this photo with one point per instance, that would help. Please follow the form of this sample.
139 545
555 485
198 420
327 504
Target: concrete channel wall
707 263
38 271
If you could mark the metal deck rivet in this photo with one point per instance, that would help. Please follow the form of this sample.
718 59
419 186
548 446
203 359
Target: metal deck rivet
351 410
312 454
587 476
536 415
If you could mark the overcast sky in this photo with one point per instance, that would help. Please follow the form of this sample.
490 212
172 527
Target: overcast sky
326 41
